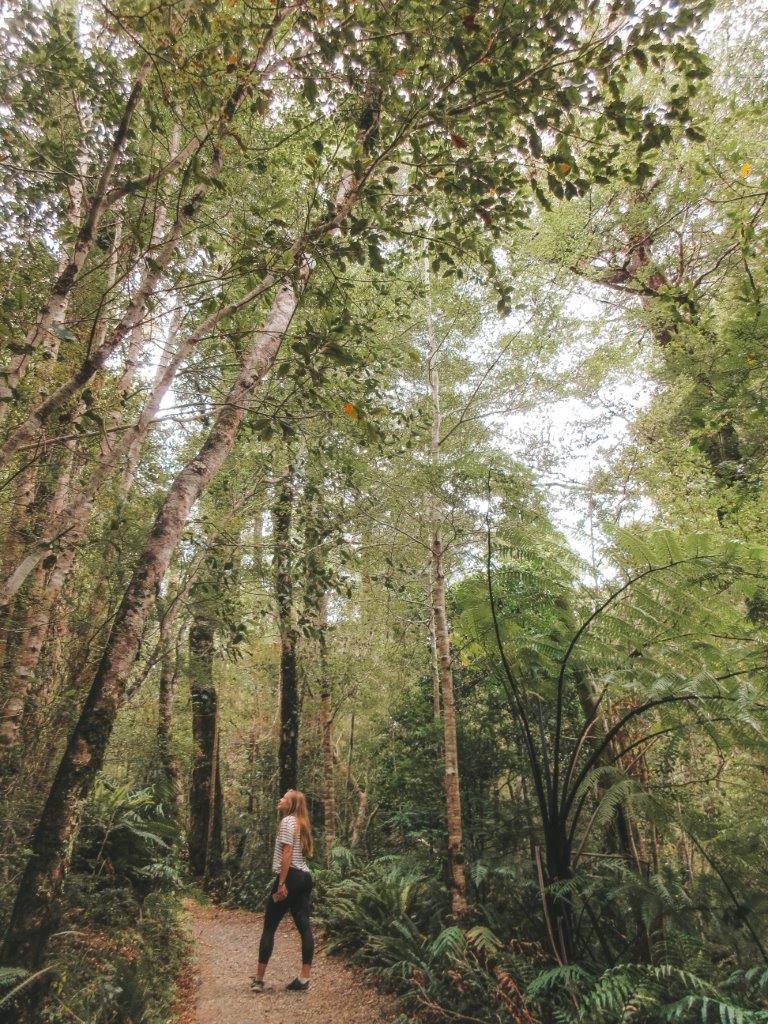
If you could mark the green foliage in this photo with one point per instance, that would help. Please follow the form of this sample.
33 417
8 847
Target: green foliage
121 972
122 942
387 917
638 992
127 838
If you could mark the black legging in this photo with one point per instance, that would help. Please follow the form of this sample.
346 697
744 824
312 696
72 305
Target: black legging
299 885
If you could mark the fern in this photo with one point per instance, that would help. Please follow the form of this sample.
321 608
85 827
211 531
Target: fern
450 942
638 992
710 1011
568 976
483 940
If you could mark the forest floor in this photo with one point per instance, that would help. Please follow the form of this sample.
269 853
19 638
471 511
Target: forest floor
225 952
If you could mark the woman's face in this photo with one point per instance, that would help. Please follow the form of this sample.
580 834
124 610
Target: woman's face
284 802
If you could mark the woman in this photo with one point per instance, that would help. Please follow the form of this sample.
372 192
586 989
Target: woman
291 888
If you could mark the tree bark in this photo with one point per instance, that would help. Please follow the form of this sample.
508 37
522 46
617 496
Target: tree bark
51 316
329 785
442 644
205 801
282 517
459 904
56 535
169 664
16 538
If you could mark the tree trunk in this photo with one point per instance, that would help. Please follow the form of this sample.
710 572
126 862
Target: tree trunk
442 645
44 330
205 803
168 676
459 905
32 621
282 516
434 664
57 532
326 723
14 541
329 786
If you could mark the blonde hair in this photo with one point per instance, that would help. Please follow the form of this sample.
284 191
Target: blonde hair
297 806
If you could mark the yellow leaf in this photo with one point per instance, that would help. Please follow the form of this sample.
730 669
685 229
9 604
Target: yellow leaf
744 170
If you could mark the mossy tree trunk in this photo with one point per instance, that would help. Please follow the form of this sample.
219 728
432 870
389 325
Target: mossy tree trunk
205 798
282 538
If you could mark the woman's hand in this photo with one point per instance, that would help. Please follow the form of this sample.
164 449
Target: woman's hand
280 893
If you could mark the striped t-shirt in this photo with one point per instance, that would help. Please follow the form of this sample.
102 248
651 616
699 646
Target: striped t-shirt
289 834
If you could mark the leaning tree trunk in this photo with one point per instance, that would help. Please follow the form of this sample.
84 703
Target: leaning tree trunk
34 911
282 516
205 802
442 646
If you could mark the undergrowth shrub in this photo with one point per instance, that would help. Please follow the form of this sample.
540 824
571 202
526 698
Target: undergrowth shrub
120 947
388 917
649 994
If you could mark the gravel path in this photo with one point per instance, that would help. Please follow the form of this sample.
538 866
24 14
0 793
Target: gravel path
226 945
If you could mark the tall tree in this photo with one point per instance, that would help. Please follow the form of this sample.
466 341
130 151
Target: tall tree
441 634
283 559
205 794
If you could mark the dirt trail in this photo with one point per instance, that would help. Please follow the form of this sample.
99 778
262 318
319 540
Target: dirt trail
226 946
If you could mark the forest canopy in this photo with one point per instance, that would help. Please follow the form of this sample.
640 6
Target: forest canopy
382 414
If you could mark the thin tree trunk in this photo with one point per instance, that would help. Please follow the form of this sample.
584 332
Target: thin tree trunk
15 540
316 613
329 785
356 829
359 823
169 665
51 317
204 793
326 728
459 906
451 767
282 517
258 545
33 624
434 664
